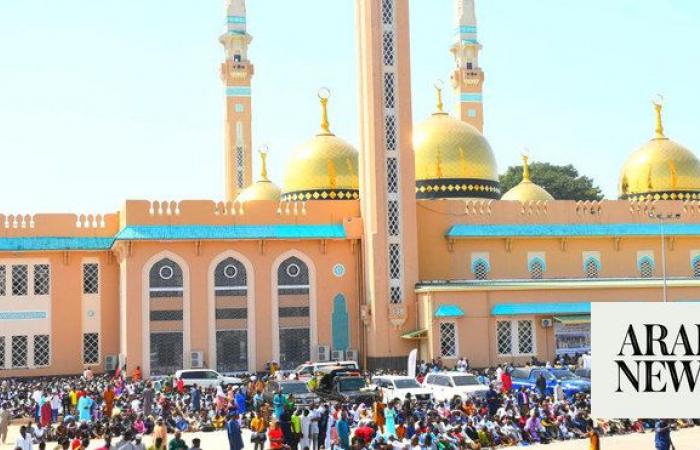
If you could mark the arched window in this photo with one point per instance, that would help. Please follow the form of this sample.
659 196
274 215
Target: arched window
294 303
591 268
695 265
646 267
536 268
481 269
166 288
231 314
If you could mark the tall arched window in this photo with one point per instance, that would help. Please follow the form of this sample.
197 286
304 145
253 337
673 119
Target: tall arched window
166 289
480 269
646 267
536 268
294 312
591 268
231 314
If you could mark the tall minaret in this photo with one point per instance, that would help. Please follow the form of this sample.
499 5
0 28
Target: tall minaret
387 179
467 78
236 73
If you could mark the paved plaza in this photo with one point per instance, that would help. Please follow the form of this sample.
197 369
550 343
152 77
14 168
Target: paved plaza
684 440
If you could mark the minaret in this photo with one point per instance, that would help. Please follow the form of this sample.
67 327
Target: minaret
236 73
467 78
387 179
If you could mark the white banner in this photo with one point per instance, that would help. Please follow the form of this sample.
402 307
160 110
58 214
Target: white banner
412 357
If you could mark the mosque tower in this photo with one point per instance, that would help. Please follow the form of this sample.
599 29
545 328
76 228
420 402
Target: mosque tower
236 73
387 179
467 78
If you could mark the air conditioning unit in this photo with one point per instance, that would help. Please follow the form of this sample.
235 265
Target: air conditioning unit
197 360
324 353
111 363
337 355
352 354
547 323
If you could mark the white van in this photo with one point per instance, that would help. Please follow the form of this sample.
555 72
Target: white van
306 371
206 378
396 387
447 385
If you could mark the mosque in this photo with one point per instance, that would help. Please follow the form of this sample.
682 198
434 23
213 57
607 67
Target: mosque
407 242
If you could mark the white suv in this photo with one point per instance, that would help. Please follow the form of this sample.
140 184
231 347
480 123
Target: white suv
206 378
396 387
447 385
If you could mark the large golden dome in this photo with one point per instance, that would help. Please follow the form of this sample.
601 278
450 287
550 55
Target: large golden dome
661 169
526 190
263 189
453 160
323 168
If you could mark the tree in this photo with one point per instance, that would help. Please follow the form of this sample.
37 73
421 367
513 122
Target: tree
563 182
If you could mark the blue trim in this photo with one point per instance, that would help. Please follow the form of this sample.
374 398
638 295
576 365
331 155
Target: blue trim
242 232
470 41
519 309
27 244
340 324
648 259
23 315
595 261
238 91
534 260
235 19
566 230
471 98
448 311
481 260
467 29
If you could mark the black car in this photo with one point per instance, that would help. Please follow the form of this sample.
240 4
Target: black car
344 385
298 390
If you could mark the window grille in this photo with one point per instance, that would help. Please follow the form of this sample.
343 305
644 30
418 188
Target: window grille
392 176
387 12
646 269
389 90
388 47
91 348
42 350
696 268
394 261
504 337
295 347
240 167
166 353
231 350
481 270
2 352
91 278
2 281
395 295
525 337
448 340
592 269
19 351
536 270
393 212
42 279
20 281
390 133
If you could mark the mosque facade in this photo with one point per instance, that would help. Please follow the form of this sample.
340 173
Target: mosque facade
407 242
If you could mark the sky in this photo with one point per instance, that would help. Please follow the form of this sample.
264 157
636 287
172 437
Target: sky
103 101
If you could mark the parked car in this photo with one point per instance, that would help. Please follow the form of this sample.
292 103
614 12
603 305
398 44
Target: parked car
570 383
339 384
447 385
206 378
298 389
396 387
584 373
307 370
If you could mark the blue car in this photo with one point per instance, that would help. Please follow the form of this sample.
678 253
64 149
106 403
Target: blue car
570 383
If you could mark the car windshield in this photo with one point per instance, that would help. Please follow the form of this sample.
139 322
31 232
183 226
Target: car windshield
563 374
295 388
351 384
406 383
465 380
547 375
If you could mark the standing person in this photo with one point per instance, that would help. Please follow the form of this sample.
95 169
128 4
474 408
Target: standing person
177 443
4 422
147 400
343 429
662 438
278 402
305 440
594 439
108 397
196 395
275 436
137 375
85 408
196 444
24 440
160 432
55 406
258 429
390 417
233 429
378 415
506 381
541 384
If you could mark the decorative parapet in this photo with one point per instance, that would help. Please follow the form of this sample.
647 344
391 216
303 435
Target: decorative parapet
59 225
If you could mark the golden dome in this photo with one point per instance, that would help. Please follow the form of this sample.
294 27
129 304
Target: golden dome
453 159
661 169
526 190
323 168
263 189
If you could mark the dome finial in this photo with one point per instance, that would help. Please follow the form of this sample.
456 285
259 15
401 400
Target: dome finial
658 106
439 84
324 94
263 151
526 166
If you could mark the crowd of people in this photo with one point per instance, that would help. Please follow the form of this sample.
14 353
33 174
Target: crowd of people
129 413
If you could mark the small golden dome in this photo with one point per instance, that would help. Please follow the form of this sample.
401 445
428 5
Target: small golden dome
453 159
526 190
323 168
263 189
661 169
